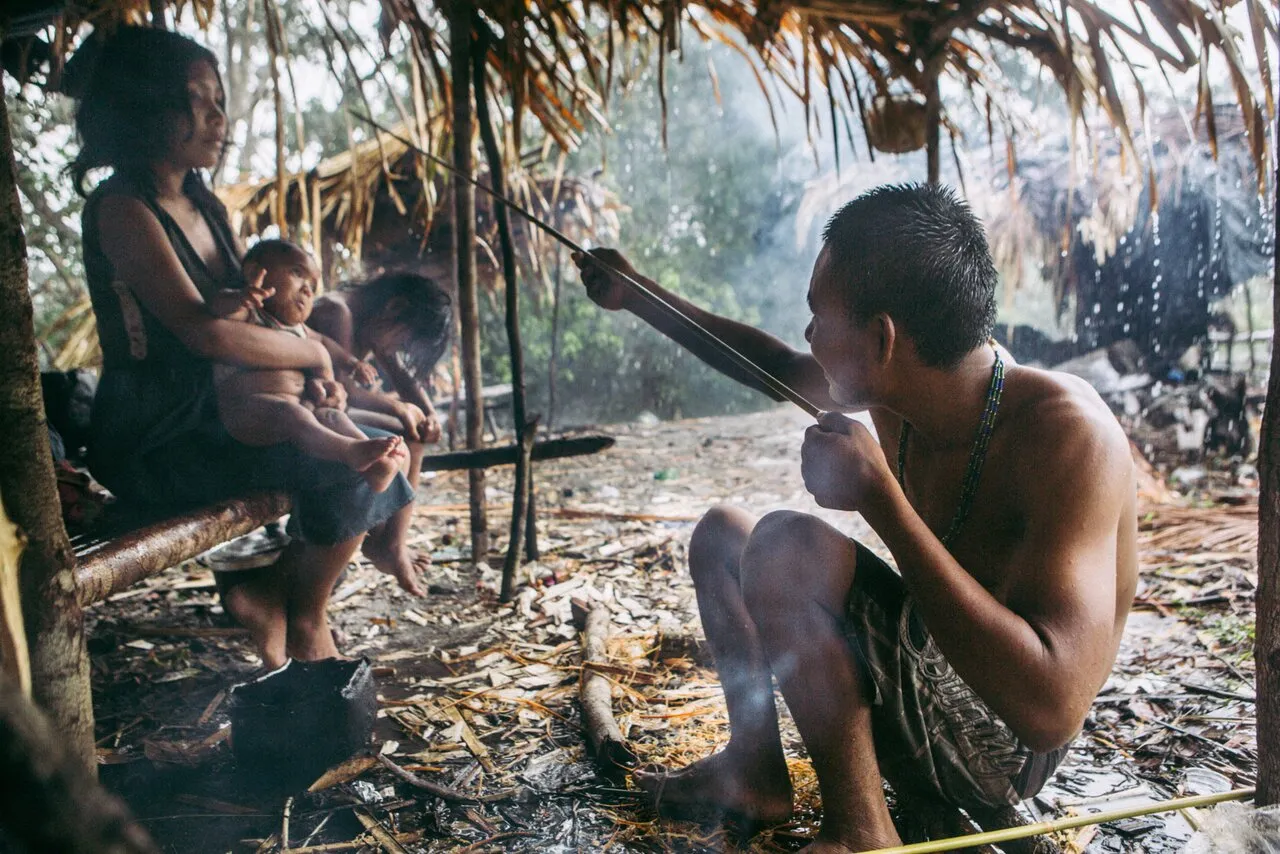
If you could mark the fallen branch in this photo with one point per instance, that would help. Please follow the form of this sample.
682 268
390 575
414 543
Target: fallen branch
444 793
596 695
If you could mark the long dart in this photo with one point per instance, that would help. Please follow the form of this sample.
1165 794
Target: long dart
772 382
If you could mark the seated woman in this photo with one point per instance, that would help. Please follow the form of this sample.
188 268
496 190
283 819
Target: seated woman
403 321
157 249
266 407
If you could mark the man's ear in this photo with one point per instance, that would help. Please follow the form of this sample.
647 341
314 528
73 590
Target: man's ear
888 337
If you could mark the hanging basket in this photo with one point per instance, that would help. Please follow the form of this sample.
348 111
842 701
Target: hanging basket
896 123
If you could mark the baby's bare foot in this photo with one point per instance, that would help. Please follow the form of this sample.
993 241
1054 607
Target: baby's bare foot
362 454
380 474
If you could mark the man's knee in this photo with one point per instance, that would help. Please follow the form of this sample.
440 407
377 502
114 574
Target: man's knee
718 540
789 557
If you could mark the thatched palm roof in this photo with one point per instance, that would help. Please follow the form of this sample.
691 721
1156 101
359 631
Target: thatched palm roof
877 59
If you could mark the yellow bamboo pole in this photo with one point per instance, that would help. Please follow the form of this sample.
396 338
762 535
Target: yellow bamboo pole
995 837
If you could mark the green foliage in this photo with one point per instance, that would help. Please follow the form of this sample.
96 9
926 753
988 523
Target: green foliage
42 130
708 218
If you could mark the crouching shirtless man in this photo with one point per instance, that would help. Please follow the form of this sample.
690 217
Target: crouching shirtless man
1004 493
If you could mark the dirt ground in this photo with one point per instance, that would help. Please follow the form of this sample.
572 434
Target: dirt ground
482 697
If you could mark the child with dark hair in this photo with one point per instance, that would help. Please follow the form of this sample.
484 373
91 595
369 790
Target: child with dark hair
403 320
261 407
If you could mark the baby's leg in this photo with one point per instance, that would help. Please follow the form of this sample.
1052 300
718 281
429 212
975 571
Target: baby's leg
269 419
383 470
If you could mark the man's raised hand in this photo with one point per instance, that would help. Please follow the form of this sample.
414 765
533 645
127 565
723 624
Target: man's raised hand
842 464
605 287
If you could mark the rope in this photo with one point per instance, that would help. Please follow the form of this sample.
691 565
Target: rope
769 380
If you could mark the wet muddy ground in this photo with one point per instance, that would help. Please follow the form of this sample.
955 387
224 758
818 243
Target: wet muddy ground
482 697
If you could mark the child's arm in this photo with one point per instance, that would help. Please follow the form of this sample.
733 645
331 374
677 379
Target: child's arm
418 425
409 389
345 365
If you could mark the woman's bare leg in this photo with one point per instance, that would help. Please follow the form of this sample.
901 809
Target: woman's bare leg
255 599
311 571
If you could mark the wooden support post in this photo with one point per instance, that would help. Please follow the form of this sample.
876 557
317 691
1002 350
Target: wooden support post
464 242
519 501
54 622
526 427
933 116
558 276
1267 643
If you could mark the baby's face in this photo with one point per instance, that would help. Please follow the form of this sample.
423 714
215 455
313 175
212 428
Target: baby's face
295 281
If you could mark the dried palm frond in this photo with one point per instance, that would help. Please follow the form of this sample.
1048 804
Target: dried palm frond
350 194
557 58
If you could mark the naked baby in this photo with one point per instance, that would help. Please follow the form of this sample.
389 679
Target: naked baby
267 407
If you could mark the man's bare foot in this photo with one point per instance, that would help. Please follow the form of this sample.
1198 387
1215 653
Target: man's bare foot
863 840
751 791
397 561
257 603
310 642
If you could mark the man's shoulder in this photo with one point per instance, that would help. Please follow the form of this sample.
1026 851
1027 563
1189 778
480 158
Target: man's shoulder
1060 420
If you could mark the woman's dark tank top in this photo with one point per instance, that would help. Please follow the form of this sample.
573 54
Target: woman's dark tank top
153 387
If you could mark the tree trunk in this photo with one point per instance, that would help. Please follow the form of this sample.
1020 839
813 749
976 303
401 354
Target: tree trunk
464 232
1267 644
55 624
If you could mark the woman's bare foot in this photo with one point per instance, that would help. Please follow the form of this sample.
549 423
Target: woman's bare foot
397 561
750 790
257 603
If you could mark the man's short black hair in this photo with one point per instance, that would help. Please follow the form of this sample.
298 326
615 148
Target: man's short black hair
918 254
274 249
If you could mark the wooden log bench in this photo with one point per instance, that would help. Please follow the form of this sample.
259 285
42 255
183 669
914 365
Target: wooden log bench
114 562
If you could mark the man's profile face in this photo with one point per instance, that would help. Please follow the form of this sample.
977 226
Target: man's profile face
841 344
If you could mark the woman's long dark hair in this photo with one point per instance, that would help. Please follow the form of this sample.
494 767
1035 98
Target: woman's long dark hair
130 87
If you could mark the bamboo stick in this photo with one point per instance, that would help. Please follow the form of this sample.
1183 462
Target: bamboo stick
995 837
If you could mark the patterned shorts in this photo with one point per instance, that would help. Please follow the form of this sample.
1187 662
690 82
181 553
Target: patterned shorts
931 730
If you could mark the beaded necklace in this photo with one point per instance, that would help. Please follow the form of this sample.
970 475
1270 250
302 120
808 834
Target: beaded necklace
978 456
